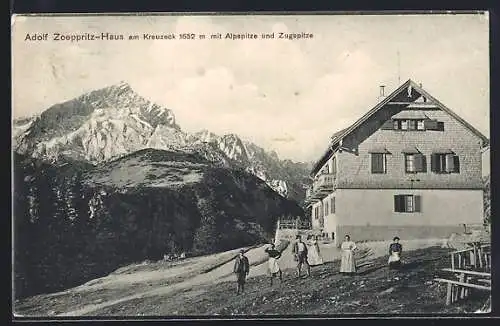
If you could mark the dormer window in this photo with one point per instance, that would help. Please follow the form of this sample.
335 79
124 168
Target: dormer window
411 120
408 124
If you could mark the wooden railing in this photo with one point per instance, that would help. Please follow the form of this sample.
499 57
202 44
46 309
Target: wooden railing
294 224
472 270
478 257
465 282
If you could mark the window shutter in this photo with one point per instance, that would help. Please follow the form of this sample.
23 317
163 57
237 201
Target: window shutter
419 164
388 125
332 205
417 202
398 203
450 163
456 163
431 124
434 162
396 124
377 163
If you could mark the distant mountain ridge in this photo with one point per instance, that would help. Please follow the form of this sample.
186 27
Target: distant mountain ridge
115 121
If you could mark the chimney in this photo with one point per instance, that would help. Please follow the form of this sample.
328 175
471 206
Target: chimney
382 91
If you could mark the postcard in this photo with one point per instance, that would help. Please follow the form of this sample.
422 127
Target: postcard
250 165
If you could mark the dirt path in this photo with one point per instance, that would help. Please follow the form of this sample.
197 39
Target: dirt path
140 283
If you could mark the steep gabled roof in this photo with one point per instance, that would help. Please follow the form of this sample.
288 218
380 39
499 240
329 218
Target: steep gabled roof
338 136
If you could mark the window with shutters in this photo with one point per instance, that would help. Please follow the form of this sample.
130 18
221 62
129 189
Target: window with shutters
325 206
407 203
445 163
332 205
415 163
378 163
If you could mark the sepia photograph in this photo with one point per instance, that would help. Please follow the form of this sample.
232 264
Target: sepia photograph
217 165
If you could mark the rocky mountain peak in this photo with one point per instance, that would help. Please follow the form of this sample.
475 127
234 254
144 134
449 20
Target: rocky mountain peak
115 121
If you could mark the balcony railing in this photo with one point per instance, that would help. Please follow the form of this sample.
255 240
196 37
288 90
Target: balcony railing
322 186
324 183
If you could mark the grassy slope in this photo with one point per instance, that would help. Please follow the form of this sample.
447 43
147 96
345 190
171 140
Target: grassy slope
374 290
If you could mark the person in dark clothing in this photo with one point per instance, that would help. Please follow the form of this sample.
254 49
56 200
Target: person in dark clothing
300 253
274 268
395 250
241 269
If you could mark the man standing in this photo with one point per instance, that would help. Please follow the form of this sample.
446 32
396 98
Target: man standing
241 269
300 251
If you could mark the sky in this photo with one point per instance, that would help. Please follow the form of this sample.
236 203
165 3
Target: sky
285 95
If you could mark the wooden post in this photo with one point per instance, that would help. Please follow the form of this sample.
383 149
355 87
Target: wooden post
480 256
449 294
453 260
462 289
459 260
475 255
467 290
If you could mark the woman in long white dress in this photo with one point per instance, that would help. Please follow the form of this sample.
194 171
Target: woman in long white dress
347 262
314 256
